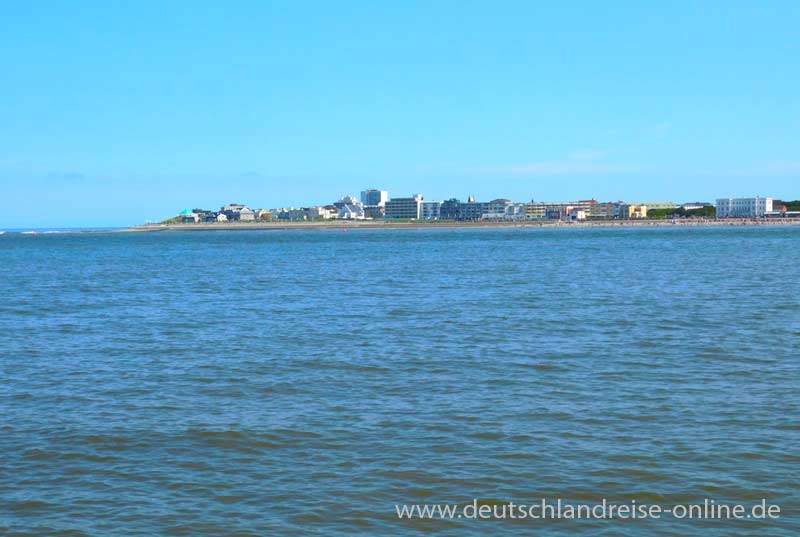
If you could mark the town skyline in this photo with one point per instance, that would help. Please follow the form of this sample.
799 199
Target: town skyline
377 204
117 113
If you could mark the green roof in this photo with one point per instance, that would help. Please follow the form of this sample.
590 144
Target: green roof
186 212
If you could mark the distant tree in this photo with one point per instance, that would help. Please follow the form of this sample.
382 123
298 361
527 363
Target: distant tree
708 211
679 212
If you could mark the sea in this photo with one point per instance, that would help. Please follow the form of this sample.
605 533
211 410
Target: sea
315 382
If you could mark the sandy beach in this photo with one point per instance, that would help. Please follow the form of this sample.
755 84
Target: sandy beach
337 225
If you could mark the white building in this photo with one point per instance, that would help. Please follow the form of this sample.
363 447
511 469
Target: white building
515 211
347 200
431 210
351 212
743 207
374 197
577 215
321 212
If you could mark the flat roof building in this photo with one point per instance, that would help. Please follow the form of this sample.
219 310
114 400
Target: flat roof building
373 196
431 210
743 207
405 208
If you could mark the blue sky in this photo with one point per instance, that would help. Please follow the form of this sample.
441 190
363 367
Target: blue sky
112 113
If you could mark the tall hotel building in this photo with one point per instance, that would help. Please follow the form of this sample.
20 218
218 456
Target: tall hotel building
374 197
405 208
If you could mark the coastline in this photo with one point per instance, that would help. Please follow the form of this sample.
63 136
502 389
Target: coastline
336 225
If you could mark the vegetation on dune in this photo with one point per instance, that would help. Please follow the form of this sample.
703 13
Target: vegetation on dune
680 212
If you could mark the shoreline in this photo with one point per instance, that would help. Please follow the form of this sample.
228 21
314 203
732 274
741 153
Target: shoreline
346 225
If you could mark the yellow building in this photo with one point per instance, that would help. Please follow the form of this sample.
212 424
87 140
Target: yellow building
633 211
